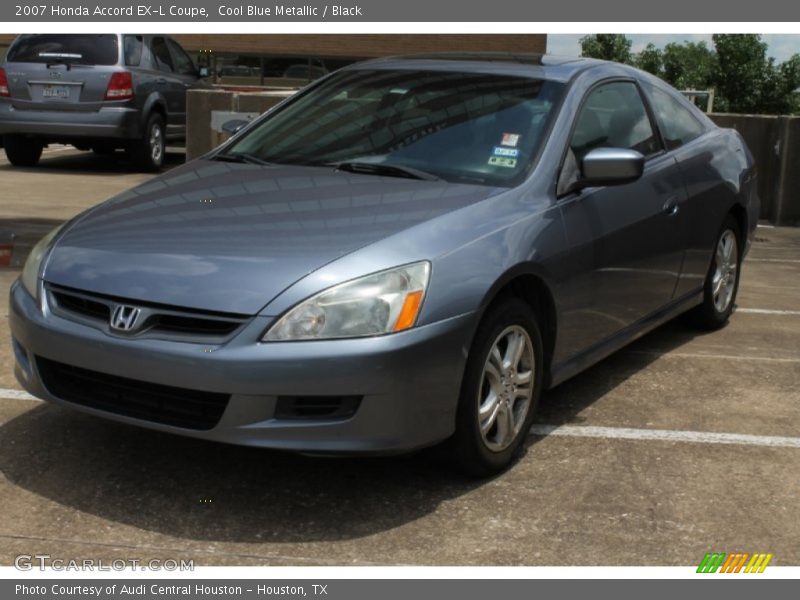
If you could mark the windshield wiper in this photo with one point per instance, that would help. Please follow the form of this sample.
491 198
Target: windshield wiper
386 169
240 157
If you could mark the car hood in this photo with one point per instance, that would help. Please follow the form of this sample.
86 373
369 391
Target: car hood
231 237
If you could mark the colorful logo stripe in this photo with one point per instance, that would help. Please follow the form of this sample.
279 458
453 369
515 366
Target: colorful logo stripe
734 563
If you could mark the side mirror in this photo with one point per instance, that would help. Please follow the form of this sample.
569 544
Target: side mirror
203 72
611 166
234 126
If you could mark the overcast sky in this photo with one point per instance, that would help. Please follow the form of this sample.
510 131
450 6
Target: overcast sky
780 46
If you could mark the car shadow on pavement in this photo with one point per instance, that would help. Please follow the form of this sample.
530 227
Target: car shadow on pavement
199 490
71 162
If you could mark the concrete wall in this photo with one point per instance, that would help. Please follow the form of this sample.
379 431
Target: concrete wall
775 144
201 106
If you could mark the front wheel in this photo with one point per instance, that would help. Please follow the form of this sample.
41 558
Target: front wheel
500 391
722 280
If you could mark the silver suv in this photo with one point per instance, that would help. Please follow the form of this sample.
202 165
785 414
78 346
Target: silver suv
97 92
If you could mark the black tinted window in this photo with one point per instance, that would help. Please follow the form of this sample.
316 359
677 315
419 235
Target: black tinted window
161 54
678 125
614 116
132 50
76 49
183 64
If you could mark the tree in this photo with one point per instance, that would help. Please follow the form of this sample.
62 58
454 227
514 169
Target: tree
688 66
650 59
607 46
744 77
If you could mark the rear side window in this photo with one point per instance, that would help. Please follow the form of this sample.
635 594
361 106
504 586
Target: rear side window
614 116
678 125
85 49
162 55
132 50
183 64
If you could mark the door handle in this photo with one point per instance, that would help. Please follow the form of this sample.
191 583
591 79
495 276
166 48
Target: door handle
161 80
671 207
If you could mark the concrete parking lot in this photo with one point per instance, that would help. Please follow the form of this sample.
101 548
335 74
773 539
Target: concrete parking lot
682 443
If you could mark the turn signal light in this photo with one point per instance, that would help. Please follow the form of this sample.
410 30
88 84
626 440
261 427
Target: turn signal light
120 86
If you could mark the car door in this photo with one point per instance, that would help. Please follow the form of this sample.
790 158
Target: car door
705 185
170 86
186 76
627 241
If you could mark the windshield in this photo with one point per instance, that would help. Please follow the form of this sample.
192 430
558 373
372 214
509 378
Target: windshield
457 126
85 49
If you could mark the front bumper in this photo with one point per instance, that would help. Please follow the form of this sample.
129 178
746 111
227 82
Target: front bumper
409 381
116 122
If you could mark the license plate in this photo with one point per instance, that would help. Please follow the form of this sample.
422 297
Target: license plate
55 91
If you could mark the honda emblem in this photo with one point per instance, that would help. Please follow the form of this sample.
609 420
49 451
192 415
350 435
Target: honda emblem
124 317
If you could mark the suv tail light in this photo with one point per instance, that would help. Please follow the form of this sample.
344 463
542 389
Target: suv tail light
4 83
120 86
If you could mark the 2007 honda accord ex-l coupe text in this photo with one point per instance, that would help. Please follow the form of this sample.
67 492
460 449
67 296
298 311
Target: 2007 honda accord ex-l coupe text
407 252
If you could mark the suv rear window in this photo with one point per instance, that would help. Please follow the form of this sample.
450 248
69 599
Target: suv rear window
87 49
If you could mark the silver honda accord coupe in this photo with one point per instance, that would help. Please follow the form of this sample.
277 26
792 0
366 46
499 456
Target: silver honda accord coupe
404 254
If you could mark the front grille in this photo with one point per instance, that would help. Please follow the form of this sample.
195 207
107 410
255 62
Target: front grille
156 320
190 409
316 407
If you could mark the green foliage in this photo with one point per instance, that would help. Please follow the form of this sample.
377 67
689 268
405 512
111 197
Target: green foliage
651 59
744 78
688 66
607 46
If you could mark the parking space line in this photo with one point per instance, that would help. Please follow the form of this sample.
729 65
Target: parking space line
717 356
8 394
768 311
665 435
773 260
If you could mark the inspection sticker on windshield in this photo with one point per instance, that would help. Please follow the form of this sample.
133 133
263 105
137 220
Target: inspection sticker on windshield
500 151
510 139
502 161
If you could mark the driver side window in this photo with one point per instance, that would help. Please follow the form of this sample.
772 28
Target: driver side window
614 116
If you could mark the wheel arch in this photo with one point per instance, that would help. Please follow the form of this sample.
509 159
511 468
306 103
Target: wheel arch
155 103
739 213
529 283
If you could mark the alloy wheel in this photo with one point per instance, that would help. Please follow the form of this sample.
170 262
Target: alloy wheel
726 263
506 390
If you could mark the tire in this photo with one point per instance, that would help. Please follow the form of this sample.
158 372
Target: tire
481 446
148 153
726 263
22 151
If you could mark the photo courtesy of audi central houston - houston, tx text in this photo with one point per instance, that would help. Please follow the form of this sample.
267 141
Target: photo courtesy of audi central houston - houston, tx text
377 299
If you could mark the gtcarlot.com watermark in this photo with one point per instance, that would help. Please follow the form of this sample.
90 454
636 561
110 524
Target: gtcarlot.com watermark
42 562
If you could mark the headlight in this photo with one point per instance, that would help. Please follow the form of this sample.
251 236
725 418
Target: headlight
30 272
385 302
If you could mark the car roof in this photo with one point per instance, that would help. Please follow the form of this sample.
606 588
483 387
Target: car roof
545 66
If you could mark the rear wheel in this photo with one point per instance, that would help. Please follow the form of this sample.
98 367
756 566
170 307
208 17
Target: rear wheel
500 391
722 280
22 151
148 153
